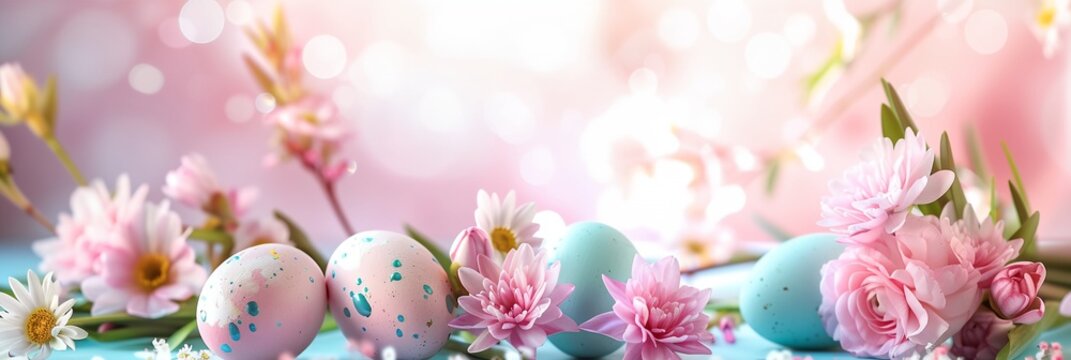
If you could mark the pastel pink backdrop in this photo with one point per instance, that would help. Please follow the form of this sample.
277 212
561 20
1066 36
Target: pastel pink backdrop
450 97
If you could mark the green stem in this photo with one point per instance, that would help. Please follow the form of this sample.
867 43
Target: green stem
462 347
329 323
133 332
181 334
187 313
301 241
436 251
736 259
211 236
65 159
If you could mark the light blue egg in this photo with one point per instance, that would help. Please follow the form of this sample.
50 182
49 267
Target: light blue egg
781 298
587 251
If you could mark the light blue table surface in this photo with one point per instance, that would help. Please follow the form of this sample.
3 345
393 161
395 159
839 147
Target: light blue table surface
725 283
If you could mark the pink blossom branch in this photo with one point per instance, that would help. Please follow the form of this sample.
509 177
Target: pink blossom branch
327 184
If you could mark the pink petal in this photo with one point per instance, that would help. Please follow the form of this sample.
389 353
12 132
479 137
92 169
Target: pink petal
607 324
471 280
936 186
483 342
468 321
617 289
471 305
532 338
690 347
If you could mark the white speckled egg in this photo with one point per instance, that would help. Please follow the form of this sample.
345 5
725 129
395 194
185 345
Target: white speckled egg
262 302
587 251
781 298
386 289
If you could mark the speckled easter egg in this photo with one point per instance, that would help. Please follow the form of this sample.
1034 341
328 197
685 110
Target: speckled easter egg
262 302
587 251
781 297
386 289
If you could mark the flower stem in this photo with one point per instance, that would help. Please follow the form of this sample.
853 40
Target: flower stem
65 159
11 191
737 259
462 347
180 335
332 197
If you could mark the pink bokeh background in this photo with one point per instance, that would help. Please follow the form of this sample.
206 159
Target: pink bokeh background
450 97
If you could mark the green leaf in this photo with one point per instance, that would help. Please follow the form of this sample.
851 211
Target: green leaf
180 335
263 79
775 231
994 202
438 253
891 127
1028 232
955 193
329 323
1015 175
772 174
1023 338
1022 211
898 106
301 241
48 106
977 158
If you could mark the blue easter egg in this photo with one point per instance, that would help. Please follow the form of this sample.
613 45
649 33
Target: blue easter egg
587 251
781 298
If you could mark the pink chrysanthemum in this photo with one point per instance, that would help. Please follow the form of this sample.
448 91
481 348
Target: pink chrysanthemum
656 316
518 302
874 198
95 220
148 269
979 243
194 184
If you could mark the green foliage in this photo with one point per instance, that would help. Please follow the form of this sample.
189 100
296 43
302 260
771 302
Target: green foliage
301 241
438 253
1023 337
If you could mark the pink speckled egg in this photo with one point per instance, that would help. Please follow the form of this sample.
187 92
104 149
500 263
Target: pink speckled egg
386 289
262 302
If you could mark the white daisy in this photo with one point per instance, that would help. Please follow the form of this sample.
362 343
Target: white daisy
33 323
508 225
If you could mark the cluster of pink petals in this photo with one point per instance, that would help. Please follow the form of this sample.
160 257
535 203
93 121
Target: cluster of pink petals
518 302
874 198
194 184
984 335
980 243
98 217
310 130
656 316
900 295
469 246
156 231
267 230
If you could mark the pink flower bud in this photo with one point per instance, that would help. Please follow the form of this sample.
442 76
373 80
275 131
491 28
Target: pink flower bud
1014 292
982 337
16 90
468 246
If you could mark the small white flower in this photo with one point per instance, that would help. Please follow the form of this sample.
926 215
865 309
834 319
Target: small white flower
186 353
34 323
1052 18
162 351
508 225
779 355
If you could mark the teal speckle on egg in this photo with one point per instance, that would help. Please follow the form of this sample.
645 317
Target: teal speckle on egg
781 298
586 251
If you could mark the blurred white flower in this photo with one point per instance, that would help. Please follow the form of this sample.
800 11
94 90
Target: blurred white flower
1052 18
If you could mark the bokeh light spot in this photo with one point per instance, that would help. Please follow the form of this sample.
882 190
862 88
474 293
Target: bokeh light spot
954 11
986 31
239 108
768 55
324 56
678 28
239 12
146 79
201 21
264 103
799 29
537 166
729 20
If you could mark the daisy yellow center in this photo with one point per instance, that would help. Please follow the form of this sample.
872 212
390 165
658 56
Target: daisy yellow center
503 239
151 271
1046 16
695 247
39 326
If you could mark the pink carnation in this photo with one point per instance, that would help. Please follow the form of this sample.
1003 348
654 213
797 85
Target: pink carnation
148 270
96 219
875 197
518 302
982 337
656 316
980 244
194 184
901 295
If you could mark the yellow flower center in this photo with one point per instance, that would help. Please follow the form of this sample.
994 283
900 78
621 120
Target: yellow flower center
1046 16
503 239
151 271
39 326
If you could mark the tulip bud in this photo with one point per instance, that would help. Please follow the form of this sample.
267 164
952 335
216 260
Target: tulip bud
1014 292
469 245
